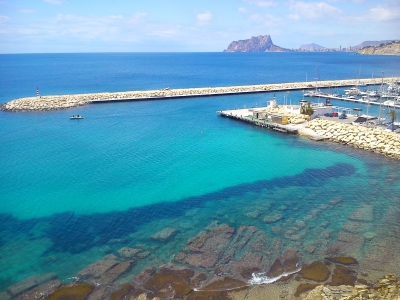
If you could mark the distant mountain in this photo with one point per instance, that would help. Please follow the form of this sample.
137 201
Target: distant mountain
310 47
392 48
261 43
371 43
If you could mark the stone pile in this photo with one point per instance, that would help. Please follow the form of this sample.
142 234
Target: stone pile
66 101
376 140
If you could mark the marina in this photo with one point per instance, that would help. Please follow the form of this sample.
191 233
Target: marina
325 122
141 191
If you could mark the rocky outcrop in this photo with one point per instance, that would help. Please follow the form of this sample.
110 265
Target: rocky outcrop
386 288
392 48
261 43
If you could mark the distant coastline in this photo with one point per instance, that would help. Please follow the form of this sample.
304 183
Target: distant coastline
392 48
264 44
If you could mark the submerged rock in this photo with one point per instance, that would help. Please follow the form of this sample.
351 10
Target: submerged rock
304 287
273 218
253 214
344 260
71 292
170 281
40 291
206 248
30 283
98 268
343 276
115 272
364 213
316 271
164 235
127 252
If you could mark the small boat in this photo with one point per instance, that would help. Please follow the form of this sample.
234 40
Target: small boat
73 117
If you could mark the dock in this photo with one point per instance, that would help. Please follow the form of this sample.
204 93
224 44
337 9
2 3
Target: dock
352 100
245 115
43 103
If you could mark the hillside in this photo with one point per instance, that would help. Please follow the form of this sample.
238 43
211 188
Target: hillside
261 43
392 48
371 43
310 47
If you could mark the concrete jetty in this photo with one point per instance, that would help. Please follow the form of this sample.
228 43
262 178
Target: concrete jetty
245 115
322 128
44 103
353 100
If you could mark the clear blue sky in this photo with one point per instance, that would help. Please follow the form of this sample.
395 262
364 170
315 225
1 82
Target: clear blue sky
28 26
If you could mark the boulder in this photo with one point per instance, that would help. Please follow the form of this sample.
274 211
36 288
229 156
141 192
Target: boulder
164 235
273 218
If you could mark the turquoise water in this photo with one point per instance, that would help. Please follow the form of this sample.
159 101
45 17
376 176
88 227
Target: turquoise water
74 191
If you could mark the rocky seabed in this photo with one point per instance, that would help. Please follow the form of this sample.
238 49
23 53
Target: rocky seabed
44 103
376 140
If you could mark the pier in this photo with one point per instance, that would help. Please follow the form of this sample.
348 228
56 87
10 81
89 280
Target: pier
246 115
43 103
353 100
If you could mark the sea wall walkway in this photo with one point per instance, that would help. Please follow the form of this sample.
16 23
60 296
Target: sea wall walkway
67 101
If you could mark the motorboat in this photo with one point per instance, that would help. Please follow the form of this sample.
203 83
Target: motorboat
77 117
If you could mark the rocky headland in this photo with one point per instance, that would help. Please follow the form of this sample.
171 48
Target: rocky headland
392 48
261 43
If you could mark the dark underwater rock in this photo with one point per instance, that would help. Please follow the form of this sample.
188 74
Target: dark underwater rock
343 276
164 235
41 291
316 271
72 292
30 283
98 268
344 260
115 272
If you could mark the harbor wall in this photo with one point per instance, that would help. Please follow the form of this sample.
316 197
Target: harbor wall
371 139
53 102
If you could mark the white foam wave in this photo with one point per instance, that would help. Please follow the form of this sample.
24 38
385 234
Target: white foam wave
260 278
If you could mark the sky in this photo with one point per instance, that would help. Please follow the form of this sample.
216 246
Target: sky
63 26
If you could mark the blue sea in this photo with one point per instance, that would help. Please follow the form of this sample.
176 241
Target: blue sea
72 192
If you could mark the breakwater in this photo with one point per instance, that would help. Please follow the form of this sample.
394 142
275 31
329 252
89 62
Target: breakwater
371 139
54 102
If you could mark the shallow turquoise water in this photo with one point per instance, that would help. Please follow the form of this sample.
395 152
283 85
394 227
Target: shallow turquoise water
74 191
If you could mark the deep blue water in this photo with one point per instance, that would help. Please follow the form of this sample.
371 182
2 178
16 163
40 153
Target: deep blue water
73 191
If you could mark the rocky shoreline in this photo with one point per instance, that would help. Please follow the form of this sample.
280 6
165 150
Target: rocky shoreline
222 261
376 140
212 266
45 103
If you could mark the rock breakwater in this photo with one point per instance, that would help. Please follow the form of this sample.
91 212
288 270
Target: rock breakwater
67 101
372 139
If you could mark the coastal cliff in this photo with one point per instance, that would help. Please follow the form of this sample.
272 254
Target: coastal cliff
392 48
261 43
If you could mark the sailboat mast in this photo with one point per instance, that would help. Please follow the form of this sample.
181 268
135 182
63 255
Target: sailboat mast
380 100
